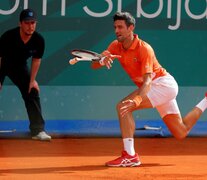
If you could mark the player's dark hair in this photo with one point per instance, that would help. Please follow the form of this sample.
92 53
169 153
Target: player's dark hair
126 16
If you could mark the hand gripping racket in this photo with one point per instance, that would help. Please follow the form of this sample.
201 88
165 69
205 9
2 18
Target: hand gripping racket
84 55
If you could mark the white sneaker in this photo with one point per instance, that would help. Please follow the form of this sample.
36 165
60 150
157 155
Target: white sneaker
42 136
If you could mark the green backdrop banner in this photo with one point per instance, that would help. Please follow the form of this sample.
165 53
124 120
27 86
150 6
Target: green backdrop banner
88 103
176 29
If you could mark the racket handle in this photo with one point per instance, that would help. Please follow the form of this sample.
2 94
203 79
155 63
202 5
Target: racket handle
73 61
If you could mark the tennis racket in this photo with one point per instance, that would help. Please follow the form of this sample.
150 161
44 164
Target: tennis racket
84 55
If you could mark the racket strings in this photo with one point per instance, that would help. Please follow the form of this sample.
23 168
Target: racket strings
86 55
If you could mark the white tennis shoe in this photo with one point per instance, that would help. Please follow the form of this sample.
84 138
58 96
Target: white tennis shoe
42 136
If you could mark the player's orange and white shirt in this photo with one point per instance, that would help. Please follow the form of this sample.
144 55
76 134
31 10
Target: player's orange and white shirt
137 60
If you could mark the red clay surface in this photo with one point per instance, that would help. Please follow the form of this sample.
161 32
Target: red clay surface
69 158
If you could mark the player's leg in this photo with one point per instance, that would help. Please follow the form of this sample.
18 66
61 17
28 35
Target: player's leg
162 90
178 126
127 126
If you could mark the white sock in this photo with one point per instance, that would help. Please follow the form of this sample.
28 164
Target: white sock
129 146
202 105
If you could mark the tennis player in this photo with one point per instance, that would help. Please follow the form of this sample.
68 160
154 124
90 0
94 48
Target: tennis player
156 88
16 46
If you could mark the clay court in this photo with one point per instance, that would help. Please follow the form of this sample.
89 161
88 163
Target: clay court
79 103
84 158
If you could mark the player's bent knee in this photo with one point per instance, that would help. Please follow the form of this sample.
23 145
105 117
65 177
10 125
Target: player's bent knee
118 106
180 136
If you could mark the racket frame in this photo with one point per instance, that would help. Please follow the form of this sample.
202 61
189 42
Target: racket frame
97 57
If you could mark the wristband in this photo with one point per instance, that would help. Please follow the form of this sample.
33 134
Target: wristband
137 100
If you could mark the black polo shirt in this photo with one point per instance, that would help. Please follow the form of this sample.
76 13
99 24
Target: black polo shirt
13 50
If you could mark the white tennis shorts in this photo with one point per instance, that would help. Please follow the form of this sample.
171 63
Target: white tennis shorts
162 95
